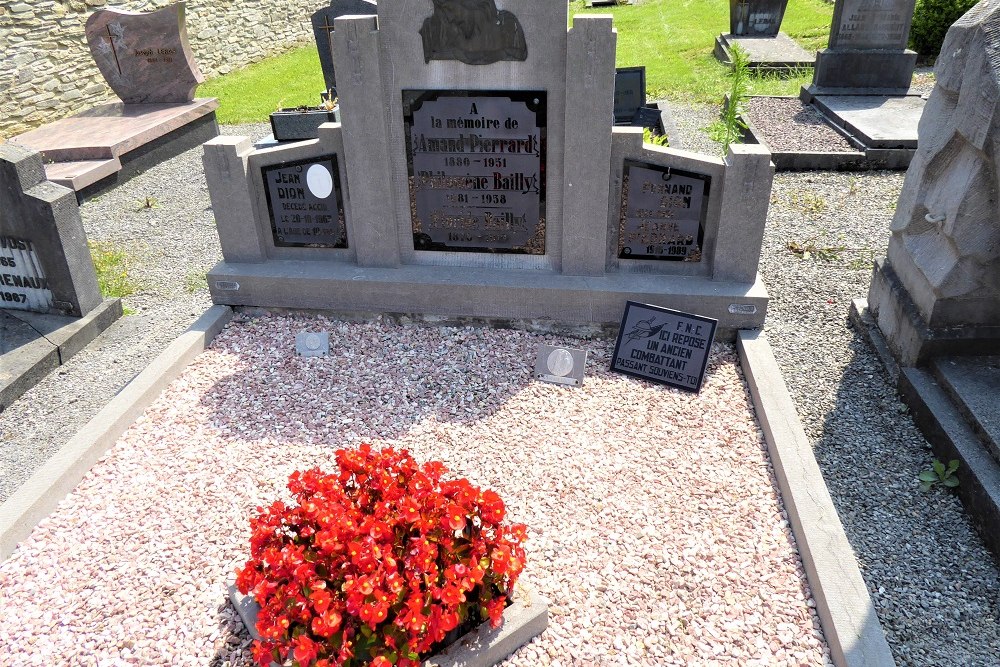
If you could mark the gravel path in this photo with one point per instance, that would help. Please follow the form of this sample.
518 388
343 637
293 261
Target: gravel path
934 586
638 571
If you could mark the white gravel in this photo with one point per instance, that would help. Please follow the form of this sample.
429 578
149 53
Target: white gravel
655 528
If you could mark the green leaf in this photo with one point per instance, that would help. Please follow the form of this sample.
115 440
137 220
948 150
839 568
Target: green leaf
928 476
951 482
952 465
938 468
925 486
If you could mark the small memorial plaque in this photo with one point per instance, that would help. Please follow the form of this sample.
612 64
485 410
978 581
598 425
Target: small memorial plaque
305 203
630 93
663 213
312 344
561 365
663 345
476 166
22 282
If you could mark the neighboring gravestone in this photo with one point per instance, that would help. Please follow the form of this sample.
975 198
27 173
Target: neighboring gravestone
322 25
144 57
939 285
867 47
756 18
45 265
754 26
630 93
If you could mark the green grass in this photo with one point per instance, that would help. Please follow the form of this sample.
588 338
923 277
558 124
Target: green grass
250 94
672 38
112 270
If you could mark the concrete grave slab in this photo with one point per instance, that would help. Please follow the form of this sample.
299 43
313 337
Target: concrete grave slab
33 344
779 53
112 140
878 121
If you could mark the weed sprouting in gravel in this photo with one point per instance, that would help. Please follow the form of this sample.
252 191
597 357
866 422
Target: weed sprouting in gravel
111 265
196 281
147 204
938 473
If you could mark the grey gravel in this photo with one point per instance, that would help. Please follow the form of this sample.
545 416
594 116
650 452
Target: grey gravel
787 125
934 586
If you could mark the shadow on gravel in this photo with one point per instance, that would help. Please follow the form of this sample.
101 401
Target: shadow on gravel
933 583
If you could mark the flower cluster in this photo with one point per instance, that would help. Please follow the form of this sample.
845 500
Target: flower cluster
377 563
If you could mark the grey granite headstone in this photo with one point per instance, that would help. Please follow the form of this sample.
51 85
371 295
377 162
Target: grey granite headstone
45 265
145 58
322 24
756 18
630 92
943 263
867 47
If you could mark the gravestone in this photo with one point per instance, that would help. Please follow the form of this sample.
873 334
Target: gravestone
867 47
144 57
322 25
484 179
630 93
45 265
935 297
755 26
939 286
756 18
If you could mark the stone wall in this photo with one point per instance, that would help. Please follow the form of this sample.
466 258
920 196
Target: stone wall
46 71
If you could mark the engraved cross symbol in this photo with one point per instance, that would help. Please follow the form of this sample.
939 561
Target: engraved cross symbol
327 25
114 52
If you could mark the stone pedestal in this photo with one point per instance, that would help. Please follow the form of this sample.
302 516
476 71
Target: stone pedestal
875 71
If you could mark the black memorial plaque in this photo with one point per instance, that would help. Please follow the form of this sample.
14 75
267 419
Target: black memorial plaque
663 213
305 203
630 93
477 170
663 345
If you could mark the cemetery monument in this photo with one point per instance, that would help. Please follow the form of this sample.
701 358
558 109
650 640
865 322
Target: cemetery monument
861 82
148 63
935 297
477 175
755 26
50 302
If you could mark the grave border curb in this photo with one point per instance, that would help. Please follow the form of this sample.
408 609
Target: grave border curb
56 478
844 606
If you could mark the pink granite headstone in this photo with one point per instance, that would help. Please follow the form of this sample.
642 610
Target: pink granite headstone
144 57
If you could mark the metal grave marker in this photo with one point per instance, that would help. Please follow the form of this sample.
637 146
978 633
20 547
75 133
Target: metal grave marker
305 204
561 365
476 169
663 345
312 344
663 213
